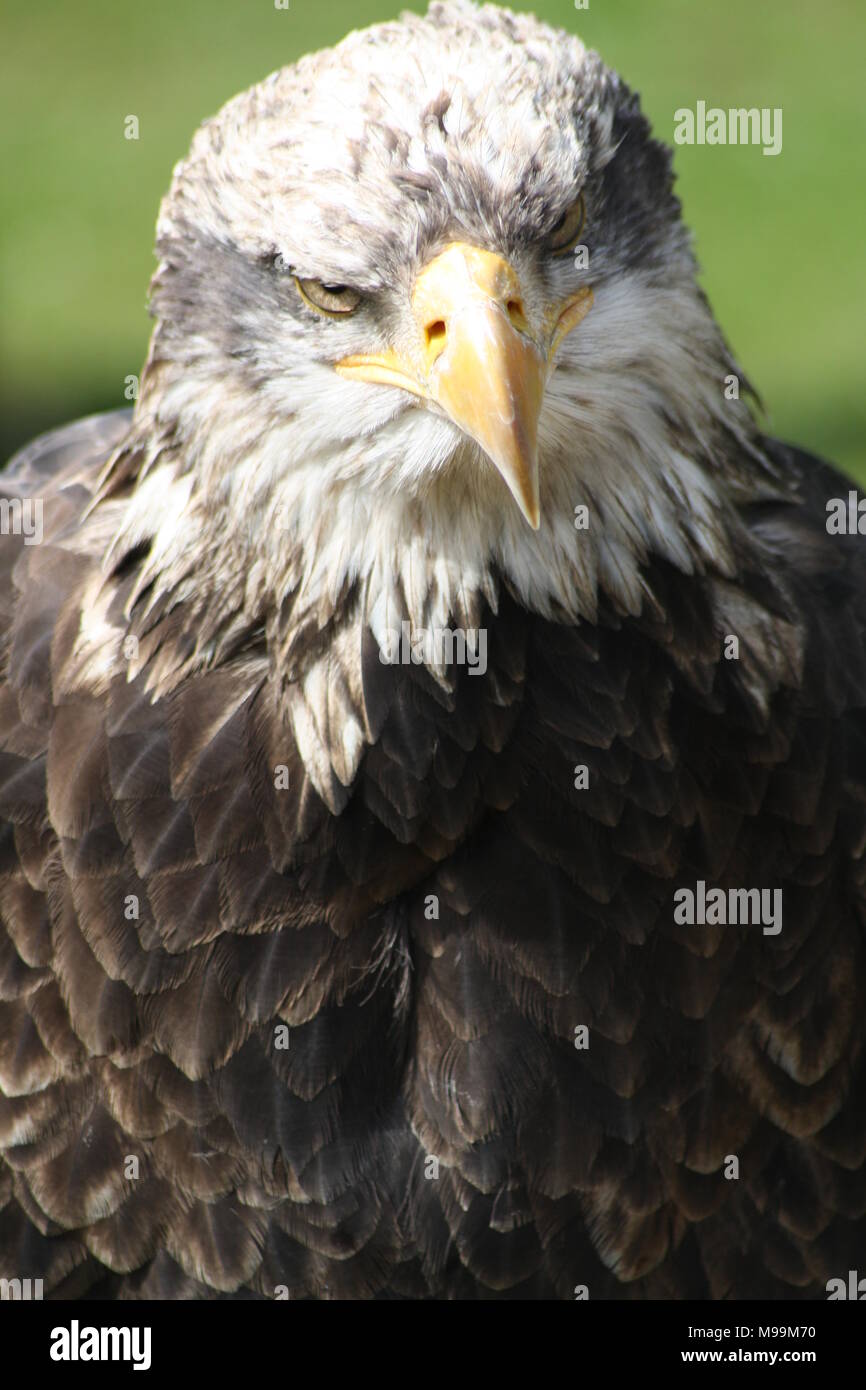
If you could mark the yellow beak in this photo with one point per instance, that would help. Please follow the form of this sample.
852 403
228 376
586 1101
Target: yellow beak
476 355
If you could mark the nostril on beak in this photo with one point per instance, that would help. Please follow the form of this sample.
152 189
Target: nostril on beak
435 334
514 310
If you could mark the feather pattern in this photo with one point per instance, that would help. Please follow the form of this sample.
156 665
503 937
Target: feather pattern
344 977
148 1031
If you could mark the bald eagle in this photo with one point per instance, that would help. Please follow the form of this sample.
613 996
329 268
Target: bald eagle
433 772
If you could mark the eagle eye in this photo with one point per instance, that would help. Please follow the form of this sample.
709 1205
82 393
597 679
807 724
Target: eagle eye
568 229
328 299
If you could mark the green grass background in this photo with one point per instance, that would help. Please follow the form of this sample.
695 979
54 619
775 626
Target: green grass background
781 241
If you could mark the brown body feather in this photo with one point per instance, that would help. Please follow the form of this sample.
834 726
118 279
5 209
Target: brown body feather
446 1032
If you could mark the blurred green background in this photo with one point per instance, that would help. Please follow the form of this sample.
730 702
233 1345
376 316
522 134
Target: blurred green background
780 240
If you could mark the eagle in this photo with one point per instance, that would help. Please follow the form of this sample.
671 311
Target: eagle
433 771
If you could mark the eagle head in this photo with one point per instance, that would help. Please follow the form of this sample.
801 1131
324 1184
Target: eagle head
422 300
